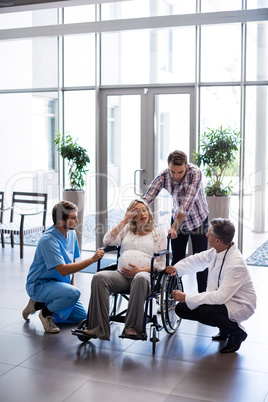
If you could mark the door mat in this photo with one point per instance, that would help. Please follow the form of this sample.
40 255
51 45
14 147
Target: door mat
260 256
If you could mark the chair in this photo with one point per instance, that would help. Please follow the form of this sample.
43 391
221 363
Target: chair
162 286
21 202
2 214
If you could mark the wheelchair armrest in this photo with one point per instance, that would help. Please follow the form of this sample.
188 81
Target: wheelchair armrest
107 249
111 267
161 252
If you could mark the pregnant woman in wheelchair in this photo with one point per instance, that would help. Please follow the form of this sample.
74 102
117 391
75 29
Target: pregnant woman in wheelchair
139 238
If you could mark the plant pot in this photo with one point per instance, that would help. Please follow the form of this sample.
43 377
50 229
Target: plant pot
218 207
77 198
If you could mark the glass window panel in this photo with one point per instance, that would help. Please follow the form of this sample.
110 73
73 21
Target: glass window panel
220 5
257 4
79 60
163 56
27 127
257 51
221 106
79 122
79 14
28 18
221 53
30 63
43 123
146 8
256 169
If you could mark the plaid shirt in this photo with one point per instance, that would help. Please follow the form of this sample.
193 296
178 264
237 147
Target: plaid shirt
188 195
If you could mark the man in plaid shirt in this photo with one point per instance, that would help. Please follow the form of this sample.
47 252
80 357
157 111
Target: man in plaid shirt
183 181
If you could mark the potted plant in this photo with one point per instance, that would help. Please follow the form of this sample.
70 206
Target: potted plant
78 160
218 149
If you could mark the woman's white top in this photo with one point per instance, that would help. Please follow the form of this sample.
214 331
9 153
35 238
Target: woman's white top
138 250
235 288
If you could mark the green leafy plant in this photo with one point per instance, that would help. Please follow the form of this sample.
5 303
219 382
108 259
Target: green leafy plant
218 150
77 158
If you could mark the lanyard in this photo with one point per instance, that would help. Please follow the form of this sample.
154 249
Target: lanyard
223 263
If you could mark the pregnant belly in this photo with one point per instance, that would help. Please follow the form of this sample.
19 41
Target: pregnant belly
134 257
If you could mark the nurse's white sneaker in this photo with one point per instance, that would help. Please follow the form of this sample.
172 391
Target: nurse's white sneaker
29 309
48 324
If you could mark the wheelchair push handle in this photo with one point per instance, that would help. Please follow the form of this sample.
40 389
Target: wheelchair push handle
168 240
163 252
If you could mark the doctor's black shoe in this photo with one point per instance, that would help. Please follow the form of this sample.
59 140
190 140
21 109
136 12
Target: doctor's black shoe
221 336
234 341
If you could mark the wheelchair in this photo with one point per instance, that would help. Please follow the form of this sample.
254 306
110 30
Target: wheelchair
159 312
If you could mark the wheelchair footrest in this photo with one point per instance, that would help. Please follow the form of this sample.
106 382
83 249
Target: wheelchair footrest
76 331
135 338
79 332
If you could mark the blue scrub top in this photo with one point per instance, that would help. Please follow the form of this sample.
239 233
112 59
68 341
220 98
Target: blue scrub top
53 249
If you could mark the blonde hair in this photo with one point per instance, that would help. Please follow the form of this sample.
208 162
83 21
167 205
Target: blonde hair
150 225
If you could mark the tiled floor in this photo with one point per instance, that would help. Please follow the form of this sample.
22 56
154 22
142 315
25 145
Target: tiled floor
187 366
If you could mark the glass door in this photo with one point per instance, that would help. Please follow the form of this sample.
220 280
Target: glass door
120 150
123 154
138 129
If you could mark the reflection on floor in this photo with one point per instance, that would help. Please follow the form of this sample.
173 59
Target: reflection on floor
187 366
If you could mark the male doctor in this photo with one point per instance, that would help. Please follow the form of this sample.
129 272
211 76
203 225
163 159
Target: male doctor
230 296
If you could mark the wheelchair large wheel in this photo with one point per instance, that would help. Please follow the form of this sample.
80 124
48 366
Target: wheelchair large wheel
115 301
170 320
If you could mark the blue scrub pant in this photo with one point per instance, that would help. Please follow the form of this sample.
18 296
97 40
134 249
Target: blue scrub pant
62 299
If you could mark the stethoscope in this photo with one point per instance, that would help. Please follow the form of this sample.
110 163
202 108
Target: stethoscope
230 245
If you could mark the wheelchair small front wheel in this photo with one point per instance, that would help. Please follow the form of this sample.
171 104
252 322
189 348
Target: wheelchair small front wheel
154 340
170 320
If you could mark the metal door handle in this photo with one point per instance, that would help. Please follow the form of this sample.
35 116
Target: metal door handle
135 181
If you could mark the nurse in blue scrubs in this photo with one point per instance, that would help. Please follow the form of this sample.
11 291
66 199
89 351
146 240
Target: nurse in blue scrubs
50 279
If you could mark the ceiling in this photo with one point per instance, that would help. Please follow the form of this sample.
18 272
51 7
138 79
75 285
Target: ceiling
24 5
15 3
